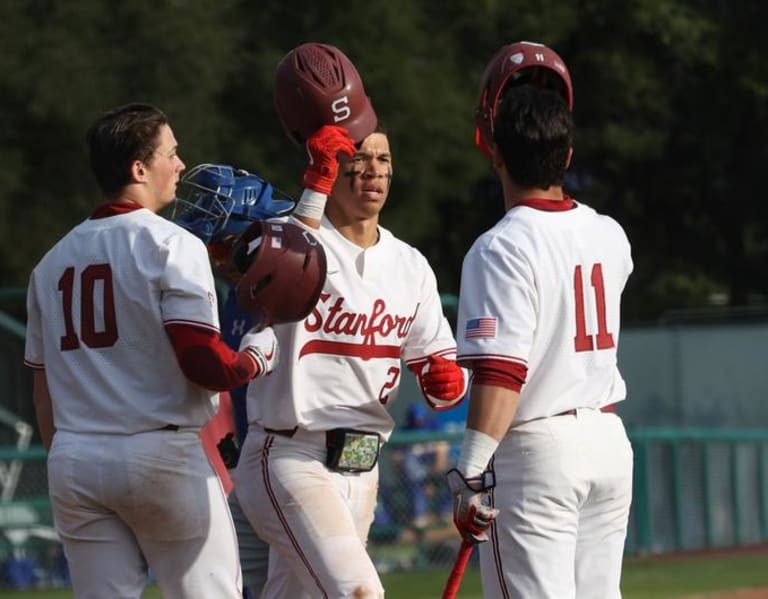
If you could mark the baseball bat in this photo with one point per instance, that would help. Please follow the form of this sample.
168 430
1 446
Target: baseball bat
457 572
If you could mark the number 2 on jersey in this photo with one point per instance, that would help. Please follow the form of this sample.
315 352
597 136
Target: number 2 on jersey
393 373
584 341
88 301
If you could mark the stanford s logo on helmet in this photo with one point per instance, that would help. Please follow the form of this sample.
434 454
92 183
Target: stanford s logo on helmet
316 85
522 62
284 270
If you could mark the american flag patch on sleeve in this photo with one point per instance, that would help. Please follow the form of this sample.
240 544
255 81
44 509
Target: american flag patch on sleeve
481 328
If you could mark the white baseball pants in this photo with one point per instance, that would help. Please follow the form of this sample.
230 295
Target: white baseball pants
126 503
315 521
563 488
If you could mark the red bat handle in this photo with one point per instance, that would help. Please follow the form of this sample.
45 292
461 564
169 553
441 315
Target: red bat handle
457 572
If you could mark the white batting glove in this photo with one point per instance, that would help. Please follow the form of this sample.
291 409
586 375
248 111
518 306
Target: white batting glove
261 345
472 513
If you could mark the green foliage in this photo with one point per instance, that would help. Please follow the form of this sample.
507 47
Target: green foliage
670 104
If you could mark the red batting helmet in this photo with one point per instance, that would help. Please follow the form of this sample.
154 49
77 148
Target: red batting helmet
284 270
521 62
316 85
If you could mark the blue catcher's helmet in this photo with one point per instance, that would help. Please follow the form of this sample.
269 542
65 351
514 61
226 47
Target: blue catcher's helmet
214 201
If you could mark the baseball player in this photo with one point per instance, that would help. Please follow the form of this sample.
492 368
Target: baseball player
307 477
218 203
123 337
544 475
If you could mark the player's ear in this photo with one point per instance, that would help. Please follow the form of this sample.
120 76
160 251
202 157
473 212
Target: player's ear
569 158
138 170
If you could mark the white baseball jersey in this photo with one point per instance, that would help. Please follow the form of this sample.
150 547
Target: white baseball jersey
543 269
97 305
342 366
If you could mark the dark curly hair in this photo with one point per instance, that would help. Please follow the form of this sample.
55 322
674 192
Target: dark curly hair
534 133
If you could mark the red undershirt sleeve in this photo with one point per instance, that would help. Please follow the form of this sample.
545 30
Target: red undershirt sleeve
206 360
498 373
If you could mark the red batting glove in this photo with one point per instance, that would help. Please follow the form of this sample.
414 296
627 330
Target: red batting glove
323 148
442 379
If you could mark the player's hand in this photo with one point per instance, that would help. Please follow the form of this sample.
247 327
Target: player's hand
262 346
323 149
443 382
472 513
443 378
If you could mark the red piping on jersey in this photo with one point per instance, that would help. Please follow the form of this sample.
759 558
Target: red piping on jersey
497 373
192 323
206 360
494 538
115 208
546 205
366 351
466 360
417 364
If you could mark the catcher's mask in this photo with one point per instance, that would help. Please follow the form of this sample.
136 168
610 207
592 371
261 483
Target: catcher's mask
316 85
283 270
215 201
515 64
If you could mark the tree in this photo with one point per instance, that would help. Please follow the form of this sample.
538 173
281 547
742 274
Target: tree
670 108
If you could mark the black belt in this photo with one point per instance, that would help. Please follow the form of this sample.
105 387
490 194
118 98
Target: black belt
608 408
283 432
290 432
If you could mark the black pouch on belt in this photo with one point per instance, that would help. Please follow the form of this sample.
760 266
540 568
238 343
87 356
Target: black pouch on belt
351 450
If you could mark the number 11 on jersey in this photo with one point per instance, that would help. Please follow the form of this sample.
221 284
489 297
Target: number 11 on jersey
583 341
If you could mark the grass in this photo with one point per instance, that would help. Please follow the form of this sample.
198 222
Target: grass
653 578
659 578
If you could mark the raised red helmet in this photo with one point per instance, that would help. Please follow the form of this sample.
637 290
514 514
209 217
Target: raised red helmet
316 85
284 270
518 63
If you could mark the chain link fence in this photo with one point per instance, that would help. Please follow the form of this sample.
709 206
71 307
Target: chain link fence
694 489
412 528
30 552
